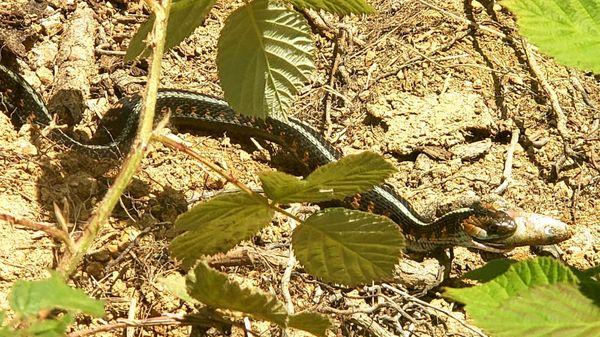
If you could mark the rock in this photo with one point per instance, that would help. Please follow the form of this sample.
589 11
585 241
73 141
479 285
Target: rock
473 150
52 25
44 54
414 122
25 147
95 269
32 78
45 75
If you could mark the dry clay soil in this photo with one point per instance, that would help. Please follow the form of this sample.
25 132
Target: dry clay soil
439 100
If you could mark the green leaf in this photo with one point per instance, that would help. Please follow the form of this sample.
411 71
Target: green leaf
341 7
553 310
348 247
350 175
519 278
184 17
218 225
28 298
592 272
490 270
49 327
568 30
265 54
310 322
214 289
176 285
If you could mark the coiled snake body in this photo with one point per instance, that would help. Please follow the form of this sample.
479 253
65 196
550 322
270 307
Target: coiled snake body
479 225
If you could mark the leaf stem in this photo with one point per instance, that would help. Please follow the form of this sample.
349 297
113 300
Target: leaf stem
48 228
156 41
174 144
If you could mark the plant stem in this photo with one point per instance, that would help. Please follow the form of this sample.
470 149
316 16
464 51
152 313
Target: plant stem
156 42
48 228
187 150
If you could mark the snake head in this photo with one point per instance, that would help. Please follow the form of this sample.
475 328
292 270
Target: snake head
487 223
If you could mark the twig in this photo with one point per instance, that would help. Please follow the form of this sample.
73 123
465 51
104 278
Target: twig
324 28
418 59
130 247
247 327
47 228
463 20
166 319
60 218
244 256
368 310
577 84
156 40
425 304
174 144
370 325
101 51
123 323
561 118
338 50
287 274
507 174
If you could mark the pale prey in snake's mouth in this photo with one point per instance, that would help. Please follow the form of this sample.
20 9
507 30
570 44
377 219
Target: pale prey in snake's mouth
530 229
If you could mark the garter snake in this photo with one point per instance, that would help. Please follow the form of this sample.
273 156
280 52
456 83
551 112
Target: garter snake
478 225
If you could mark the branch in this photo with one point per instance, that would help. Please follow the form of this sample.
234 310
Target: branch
156 42
47 228
176 145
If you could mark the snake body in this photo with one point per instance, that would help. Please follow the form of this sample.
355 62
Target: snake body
478 225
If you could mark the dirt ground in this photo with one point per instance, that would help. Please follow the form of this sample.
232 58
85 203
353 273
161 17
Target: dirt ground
435 97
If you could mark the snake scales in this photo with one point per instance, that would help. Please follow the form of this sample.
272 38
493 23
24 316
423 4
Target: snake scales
478 225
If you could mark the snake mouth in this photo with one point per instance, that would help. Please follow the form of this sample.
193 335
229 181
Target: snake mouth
490 246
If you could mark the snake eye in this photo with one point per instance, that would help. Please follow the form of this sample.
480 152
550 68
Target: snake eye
549 231
502 228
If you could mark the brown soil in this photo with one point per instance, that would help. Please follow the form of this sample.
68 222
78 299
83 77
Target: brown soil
444 119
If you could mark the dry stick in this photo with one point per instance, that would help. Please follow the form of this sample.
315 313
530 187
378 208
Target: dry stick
369 310
463 20
156 42
370 325
418 59
154 321
166 319
214 167
287 274
338 49
507 174
425 304
47 228
561 118
324 28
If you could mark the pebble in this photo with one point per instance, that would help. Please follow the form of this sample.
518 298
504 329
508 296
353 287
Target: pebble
44 54
113 249
52 25
45 75
473 150
26 147
95 269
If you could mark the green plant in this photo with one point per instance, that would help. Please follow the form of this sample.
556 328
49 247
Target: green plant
568 30
45 308
539 297
542 297
265 51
